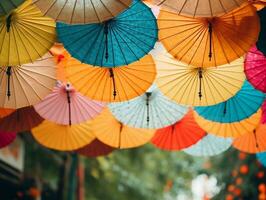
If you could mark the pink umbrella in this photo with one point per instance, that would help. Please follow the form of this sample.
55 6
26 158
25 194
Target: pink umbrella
263 117
66 106
255 68
7 138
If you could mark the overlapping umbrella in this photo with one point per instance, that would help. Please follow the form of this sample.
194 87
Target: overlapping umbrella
263 117
151 110
82 12
209 145
262 158
208 42
111 85
6 138
180 135
6 6
63 137
116 42
66 106
26 85
113 133
25 35
241 106
198 86
5 111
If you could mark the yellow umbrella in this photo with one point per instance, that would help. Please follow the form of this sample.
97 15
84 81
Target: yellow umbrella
198 86
199 8
82 12
25 85
111 84
235 129
113 133
208 42
63 137
25 35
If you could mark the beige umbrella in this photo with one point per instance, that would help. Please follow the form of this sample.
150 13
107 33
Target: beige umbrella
199 8
25 85
82 11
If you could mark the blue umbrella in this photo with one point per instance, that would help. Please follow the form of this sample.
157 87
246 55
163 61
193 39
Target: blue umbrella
241 106
262 158
116 42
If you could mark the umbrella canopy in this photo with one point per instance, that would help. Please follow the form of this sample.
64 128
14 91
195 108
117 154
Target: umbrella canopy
113 133
255 63
252 142
6 138
198 86
151 110
263 108
262 158
22 119
63 137
116 42
95 148
82 12
234 129
208 42
25 85
111 85
6 6
199 8
182 134
241 106
66 106
25 35
210 145
5 111
261 43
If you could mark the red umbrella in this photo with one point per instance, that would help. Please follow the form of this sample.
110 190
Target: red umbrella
6 138
22 119
182 134
95 148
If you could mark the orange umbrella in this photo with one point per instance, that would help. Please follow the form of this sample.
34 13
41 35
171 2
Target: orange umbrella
111 84
113 133
208 42
5 111
199 8
235 129
258 4
252 142
63 137
182 134
22 119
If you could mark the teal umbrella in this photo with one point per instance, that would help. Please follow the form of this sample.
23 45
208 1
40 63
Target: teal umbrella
115 42
6 6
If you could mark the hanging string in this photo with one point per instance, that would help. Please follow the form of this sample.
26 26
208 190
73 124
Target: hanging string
69 104
112 76
8 22
8 73
120 132
200 83
106 32
225 108
255 136
148 95
210 36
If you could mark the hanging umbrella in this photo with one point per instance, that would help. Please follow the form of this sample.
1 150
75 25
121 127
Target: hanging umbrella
66 106
25 35
6 6
111 84
151 110
241 106
261 43
234 129
208 42
113 133
5 111
82 12
95 149
116 42
263 117
198 86
6 138
252 142
23 119
182 134
25 85
209 145
262 158
63 137
199 8
255 63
